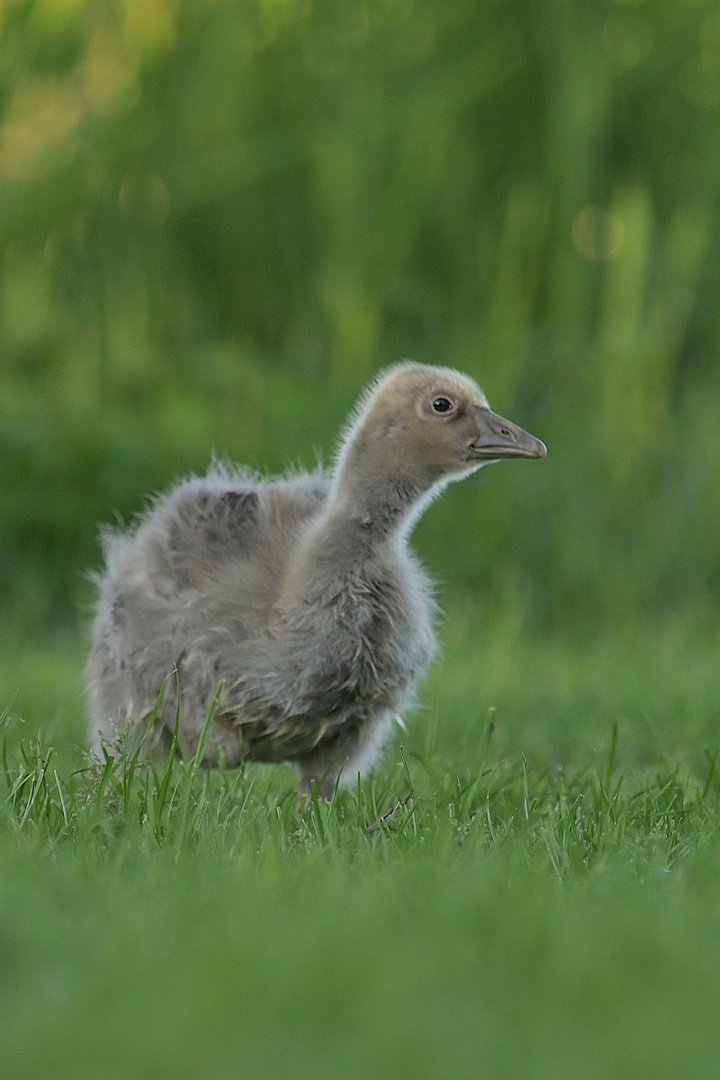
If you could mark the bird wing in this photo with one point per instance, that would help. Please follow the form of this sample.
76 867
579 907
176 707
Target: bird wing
218 522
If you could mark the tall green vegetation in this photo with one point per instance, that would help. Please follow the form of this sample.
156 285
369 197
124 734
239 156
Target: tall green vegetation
219 218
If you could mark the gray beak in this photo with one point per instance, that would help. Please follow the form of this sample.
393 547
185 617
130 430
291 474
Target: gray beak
497 437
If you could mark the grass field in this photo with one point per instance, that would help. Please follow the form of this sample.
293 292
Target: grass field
528 886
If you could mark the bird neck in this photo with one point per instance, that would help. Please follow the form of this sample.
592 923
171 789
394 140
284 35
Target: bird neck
362 526
369 513
371 510
378 487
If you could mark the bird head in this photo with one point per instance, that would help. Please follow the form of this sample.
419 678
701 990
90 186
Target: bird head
430 425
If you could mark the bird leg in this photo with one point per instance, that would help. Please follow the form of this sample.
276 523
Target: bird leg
324 767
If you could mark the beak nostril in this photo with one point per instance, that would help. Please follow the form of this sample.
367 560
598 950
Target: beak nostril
506 433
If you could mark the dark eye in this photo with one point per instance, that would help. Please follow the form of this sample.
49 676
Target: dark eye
442 405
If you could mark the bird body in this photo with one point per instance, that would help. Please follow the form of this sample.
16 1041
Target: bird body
298 597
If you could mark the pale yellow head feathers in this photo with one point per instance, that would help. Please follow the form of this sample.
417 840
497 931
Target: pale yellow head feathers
422 425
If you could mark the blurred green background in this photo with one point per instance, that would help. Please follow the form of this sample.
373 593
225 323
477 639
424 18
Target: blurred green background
218 218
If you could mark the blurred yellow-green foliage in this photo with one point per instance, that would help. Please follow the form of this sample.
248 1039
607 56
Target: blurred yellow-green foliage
219 217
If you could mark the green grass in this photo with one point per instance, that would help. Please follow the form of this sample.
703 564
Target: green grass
528 886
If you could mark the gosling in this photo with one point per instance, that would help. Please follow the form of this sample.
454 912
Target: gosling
294 603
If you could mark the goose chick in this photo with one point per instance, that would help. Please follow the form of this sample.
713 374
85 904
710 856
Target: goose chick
299 595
